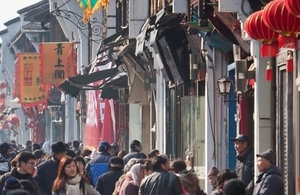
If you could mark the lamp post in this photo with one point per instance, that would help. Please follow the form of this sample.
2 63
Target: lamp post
224 86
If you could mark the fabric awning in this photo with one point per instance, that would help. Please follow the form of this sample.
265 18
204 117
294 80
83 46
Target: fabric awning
137 94
110 89
73 85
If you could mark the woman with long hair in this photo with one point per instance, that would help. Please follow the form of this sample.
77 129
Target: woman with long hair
70 182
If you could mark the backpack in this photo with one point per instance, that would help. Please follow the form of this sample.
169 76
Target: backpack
4 165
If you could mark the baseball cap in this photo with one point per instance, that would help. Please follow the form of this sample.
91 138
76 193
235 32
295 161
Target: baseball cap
241 137
104 145
116 160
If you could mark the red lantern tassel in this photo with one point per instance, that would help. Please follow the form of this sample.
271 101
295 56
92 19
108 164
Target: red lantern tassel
290 42
269 72
269 49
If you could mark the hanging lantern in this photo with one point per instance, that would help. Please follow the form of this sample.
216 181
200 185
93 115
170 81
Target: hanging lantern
13 119
2 95
256 29
293 6
278 18
3 84
290 62
269 72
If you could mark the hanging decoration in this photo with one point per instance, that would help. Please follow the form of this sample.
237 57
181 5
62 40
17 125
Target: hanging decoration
31 91
58 62
269 72
278 18
289 61
256 29
90 6
3 84
13 119
293 6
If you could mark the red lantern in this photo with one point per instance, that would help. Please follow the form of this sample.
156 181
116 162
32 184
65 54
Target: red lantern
2 96
256 29
293 6
13 119
3 84
269 72
278 18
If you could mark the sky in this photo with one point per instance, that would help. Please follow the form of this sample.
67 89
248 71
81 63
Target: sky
8 10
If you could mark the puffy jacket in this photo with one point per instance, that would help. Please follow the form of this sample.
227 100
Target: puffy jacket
245 169
46 174
161 182
133 154
269 182
98 165
19 176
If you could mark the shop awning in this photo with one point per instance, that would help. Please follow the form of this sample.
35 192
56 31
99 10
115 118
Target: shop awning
73 85
110 89
137 94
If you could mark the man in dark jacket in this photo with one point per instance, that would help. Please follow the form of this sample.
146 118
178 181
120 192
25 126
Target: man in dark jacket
136 148
245 161
100 164
23 171
28 147
161 181
47 171
107 181
269 181
5 158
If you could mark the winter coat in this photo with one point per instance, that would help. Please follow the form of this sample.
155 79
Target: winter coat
98 165
45 175
160 182
14 173
88 189
269 182
107 181
245 169
133 154
128 187
189 180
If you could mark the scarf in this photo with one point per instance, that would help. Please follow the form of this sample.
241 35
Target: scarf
72 186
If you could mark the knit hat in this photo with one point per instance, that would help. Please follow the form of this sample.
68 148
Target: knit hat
213 171
235 187
269 155
57 148
11 184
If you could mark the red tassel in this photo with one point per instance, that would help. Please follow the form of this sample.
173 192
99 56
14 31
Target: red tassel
290 42
269 49
290 62
269 72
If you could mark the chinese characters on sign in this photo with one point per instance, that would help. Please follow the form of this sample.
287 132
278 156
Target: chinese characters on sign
31 90
58 62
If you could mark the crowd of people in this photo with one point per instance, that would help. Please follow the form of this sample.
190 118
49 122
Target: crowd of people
70 169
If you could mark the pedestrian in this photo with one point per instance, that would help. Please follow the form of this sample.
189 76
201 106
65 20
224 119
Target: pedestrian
35 147
75 147
188 178
235 187
46 172
40 157
122 153
136 151
223 177
245 161
161 181
10 185
153 153
114 149
81 165
269 181
107 181
99 164
69 181
24 169
5 158
132 180
28 147
86 154
212 177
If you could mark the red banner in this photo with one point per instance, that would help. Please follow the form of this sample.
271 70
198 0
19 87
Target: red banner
58 62
28 80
